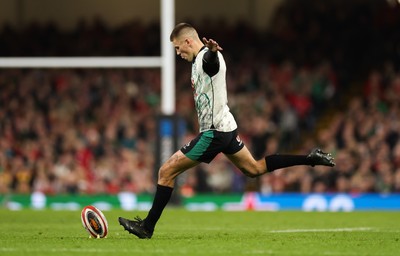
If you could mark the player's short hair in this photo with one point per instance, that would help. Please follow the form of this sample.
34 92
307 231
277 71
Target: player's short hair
183 29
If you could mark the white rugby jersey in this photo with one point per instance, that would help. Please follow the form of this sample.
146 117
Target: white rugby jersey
210 96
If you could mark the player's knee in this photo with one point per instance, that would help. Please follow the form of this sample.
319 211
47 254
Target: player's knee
252 172
165 176
253 169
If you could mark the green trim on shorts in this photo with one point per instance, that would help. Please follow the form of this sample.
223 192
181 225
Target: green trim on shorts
201 146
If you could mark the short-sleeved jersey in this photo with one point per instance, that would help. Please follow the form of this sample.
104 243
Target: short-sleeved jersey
210 96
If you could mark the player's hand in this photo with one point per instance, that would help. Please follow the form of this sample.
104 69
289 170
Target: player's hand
212 44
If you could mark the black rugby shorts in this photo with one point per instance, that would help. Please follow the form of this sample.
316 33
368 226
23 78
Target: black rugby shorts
207 145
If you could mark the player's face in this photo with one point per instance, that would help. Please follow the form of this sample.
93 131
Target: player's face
183 49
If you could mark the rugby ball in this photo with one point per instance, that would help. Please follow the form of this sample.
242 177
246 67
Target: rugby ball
94 221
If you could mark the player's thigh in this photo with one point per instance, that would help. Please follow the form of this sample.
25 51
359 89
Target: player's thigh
174 166
246 163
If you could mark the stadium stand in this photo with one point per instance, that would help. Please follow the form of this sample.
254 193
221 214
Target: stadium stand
312 81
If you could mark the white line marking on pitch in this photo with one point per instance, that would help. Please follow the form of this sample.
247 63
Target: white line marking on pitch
321 230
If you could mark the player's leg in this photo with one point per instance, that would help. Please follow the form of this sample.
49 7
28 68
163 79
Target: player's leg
253 168
315 157
203 148
246 163
175 165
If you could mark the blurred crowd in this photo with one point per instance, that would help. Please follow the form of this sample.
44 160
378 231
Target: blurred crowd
94 130
364 137
297 87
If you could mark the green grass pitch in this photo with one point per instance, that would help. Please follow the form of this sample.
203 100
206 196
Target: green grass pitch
181 232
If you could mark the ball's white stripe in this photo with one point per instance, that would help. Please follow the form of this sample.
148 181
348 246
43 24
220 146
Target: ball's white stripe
87 224
100 216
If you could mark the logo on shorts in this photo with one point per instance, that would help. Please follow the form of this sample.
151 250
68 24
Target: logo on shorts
187 145
239 140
